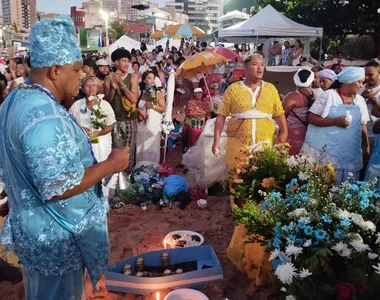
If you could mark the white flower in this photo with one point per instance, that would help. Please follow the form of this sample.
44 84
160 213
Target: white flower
378 238
283 289
377 268
350 174
355 237
290 297
303 176
372 256
343 214
335 189
293 250
275 253
368 225
286 272
340 247
298 213
100 96
304 273
346 253
357 219
92 98
291 161
307 243
95 107
360 247
264 194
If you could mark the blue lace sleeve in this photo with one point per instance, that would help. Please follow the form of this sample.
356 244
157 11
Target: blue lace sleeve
53 157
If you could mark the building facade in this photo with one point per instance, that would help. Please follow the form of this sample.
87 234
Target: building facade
245 6
23 13
202 13
121 8
29 13
12 12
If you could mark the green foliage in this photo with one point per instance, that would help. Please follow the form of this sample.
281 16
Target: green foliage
358 17
116 30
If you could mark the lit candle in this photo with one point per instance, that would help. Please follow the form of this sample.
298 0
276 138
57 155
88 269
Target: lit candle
165 243
157 296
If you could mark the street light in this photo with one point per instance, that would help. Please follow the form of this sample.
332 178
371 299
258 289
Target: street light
106 16
209 24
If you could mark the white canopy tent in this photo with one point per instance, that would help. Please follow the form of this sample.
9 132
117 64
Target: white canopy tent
124 42
271 23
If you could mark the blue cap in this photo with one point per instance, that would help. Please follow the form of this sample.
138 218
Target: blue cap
53 42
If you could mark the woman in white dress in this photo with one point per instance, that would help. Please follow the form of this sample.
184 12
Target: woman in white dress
150 108
82 110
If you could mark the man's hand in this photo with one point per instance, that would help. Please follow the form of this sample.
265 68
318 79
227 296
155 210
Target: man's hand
114 83
216 148
281 138
119 159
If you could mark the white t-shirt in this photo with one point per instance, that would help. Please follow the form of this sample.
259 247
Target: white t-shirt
160 56
317 92
330 98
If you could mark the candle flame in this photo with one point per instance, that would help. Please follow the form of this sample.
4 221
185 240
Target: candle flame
165 243
157 296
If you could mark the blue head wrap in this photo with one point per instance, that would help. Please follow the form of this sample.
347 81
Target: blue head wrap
53 42
350 75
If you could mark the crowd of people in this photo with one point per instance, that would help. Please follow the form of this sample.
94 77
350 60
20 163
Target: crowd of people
70 120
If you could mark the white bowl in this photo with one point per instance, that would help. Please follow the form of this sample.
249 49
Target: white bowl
202 203
186 294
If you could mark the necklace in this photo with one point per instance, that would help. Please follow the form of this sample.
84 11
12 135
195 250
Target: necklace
30 85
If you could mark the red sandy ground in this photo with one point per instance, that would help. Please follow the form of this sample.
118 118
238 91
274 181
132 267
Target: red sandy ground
133 231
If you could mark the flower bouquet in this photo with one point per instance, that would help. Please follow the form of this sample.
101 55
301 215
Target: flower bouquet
263 169
323 239
98 117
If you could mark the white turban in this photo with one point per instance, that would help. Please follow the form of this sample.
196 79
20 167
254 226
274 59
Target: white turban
305 84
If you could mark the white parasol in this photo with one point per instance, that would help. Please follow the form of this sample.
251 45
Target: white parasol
167 123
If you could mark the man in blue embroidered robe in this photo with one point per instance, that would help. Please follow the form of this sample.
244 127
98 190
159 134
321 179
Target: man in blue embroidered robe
56 221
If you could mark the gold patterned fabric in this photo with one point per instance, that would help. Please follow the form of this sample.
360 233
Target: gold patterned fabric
238 99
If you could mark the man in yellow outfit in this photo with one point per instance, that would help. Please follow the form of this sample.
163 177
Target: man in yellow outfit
253 105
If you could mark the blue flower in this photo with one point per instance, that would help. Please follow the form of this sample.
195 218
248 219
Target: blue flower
277 229
345 223
302 223
326 219
277 242
348 196
308 230
276 195
287 228
364 203
320 234
292 237
354 187
293 182
338 234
